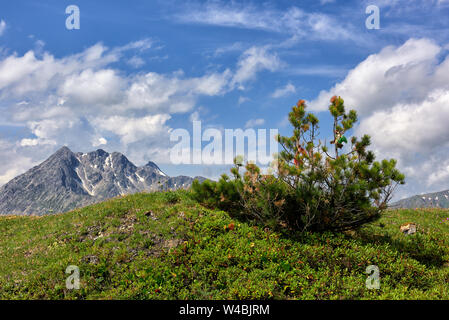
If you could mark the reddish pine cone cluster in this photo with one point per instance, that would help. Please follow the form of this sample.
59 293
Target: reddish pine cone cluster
333 99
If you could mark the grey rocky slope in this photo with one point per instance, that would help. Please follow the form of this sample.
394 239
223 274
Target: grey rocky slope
69 180
428 200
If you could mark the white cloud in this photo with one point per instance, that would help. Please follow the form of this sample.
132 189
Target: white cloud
36 142
29 74
232 16
93 87
407 129
211 84
80 87
253 60
73 100
284 91
254 123
294 22
237 46
154 91
13 163
15 169
99 142
439 175
396 74
140 45
80 99
136 62
25 74
134 129
402 95
47 130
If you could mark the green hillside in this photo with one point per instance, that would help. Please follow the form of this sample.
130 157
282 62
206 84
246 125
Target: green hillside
166 246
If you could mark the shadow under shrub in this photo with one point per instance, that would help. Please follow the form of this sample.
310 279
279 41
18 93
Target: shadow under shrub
308 187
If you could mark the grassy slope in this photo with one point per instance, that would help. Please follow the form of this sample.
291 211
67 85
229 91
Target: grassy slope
181 250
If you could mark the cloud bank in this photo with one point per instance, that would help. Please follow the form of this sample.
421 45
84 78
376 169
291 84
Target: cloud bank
402 96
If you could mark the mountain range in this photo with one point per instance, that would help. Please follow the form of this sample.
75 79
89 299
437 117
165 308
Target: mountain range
428 200
68 180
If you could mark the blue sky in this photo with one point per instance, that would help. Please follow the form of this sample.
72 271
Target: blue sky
136 70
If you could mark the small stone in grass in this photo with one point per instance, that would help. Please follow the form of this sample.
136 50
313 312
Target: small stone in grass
408 228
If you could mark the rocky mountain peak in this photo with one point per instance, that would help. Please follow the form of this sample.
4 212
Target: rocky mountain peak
62 155
68 180
100 152
153 166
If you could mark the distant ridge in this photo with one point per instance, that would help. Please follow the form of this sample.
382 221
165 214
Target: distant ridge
67 180
428 200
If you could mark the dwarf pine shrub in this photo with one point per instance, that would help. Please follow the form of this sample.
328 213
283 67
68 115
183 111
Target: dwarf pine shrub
310 188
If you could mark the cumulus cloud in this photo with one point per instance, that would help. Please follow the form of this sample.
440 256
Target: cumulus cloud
77 100
80 99
13 162
133 129
409 128
417 135
21 75
84 81
93 87
395 74
402 95
47 130
154 91
82 87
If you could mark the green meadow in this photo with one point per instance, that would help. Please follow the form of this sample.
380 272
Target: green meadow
167 246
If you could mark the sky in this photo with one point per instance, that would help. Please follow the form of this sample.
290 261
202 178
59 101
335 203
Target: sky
135 71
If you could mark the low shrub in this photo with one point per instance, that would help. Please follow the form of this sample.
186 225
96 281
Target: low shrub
172 197
310 188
